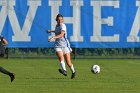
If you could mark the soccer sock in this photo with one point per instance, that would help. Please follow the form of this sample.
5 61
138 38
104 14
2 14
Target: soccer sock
72 68
4 71
62 64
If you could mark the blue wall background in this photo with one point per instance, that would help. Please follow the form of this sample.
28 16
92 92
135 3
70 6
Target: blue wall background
123 21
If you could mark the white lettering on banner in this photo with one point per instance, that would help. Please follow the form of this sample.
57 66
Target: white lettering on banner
133 36
98 21
54 11
3 14
8 10
74 20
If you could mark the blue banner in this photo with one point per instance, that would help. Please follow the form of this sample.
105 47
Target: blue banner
90 23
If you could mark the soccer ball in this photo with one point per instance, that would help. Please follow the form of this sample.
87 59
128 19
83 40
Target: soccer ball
95 69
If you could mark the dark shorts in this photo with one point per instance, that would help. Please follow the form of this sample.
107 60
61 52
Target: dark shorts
2 51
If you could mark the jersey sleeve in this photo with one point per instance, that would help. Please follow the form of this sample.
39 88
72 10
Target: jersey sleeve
64 27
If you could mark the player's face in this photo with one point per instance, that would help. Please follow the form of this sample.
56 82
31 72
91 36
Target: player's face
60 20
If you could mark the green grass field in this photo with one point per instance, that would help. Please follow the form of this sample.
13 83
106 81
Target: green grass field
42 76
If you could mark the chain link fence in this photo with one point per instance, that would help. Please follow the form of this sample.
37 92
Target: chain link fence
77 53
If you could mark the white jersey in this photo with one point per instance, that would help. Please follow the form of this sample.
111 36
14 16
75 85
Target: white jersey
63 41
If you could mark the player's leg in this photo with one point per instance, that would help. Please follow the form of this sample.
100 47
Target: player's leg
69 63
62 63
2 51
7 73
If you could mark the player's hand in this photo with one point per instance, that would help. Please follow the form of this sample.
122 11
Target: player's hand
48 31
50 39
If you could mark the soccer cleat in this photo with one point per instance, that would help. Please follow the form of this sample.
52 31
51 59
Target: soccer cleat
62 72
12 76
73 75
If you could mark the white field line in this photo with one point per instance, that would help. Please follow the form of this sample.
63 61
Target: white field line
137 63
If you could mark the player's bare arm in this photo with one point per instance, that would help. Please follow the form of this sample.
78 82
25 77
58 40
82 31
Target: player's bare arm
57 36
50 31
4 41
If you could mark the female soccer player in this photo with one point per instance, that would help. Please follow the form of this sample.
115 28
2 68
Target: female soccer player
3 42
62 46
